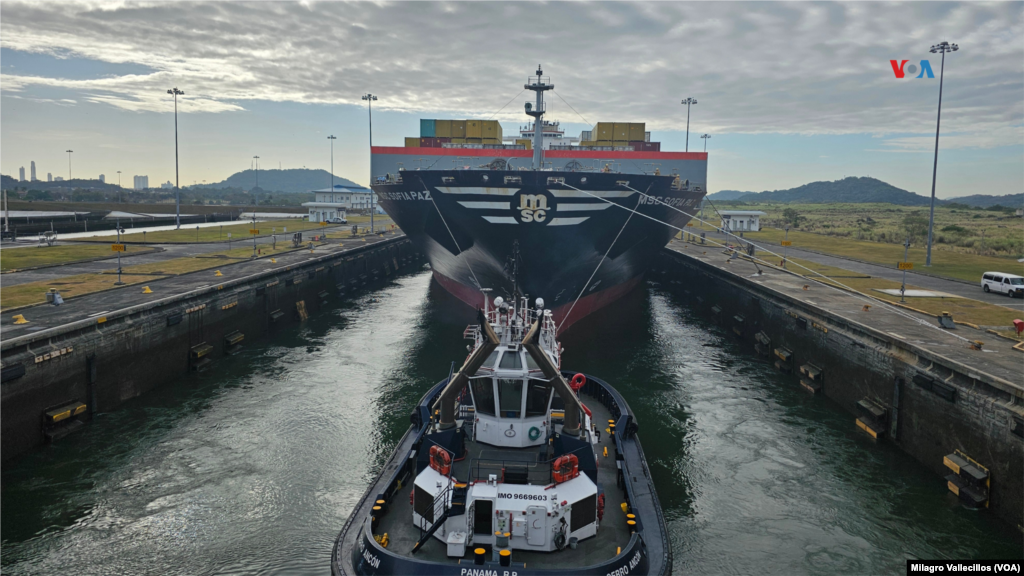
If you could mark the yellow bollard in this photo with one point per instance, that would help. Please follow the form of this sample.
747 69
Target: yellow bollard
19 319
273 260
146 290
605 451
618 550
218 273
624 507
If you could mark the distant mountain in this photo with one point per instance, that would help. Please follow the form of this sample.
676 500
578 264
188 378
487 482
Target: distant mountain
291 180
850 190
727 195
983 201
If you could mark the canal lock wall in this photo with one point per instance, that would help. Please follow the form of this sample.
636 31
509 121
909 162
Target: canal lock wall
929 406
56 379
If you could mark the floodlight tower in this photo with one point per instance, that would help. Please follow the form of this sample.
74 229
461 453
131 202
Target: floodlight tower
177 190
940 48
689 101
705 138
370 98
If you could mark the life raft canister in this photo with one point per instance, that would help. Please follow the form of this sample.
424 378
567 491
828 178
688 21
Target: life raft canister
440 460
565 468
577 382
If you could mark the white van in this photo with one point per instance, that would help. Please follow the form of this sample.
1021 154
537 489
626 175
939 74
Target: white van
1000 283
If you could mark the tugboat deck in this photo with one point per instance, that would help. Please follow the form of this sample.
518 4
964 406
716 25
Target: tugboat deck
612 533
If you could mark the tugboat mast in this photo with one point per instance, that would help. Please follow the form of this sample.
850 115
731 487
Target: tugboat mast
537 112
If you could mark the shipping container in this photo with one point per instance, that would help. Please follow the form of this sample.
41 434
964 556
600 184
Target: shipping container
636 131
443 128
643 146
490 129
412 142
589 143
586 135
604 131
458 128
621 132
473 140
427 129
647 136
620 143
474 129
525 142
458 140
491 140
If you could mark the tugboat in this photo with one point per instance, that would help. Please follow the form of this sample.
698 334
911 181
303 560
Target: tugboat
511 466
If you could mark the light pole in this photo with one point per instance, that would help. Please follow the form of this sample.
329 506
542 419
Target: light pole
941 47
369 108
689 101
705 138
69 166
255 201
177 190
332 139
118 186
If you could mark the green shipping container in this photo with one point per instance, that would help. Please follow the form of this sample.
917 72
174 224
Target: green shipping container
443 128
636 131
427 128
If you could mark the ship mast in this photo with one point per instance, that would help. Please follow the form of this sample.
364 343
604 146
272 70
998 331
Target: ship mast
537 111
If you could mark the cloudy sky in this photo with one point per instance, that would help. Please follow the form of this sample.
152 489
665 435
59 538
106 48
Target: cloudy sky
790 93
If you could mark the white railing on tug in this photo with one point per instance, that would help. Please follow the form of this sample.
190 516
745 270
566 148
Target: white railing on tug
511 323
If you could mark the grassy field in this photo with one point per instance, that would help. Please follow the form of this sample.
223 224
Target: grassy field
21 258
35 292
960 230
148 208
962 309
947 263
238 231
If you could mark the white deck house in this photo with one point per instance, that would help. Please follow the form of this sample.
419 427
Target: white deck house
741 220
333 203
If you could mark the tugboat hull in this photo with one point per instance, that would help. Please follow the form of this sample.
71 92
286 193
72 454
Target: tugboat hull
647 551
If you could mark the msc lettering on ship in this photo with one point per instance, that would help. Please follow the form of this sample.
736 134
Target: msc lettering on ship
533 207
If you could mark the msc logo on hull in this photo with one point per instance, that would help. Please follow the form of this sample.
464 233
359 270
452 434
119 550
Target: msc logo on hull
533 208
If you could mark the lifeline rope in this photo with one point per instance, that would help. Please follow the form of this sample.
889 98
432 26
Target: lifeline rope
507 103
599 263
856 293
468 265
571 108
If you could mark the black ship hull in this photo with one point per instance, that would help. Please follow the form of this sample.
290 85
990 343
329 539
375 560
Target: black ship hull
648 550
580 240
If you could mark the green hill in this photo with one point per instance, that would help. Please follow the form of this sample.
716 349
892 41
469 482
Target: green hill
288 181
852 190
984 201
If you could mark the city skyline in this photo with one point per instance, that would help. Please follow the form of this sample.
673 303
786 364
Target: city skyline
820 105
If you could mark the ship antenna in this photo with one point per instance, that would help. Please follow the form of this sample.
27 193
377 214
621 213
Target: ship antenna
539 86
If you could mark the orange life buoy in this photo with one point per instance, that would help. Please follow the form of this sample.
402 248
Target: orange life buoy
565 468
577 382
440 460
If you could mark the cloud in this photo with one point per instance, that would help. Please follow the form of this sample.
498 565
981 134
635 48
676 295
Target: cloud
804 68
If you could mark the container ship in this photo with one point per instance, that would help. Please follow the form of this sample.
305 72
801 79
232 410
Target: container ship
511 466
575 220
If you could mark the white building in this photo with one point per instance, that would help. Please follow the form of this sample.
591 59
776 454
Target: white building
21 174
332 203
33 172
141 182
103 178
167 185
741 220
49 177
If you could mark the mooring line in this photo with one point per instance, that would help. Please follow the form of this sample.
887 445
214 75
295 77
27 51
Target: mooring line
468 265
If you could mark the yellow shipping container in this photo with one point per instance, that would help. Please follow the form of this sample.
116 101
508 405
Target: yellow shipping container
458 128
412 142
525 142
620 143
458 140
474 129
590 143
621 132
636 131
604 131
443 128
473 140
490 129
491 141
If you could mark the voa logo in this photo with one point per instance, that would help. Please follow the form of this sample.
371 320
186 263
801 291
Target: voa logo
533 207
903 70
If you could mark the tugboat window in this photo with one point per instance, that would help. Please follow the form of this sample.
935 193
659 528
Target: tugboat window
491 360
537 398
531 363
511 361
483 396
510 397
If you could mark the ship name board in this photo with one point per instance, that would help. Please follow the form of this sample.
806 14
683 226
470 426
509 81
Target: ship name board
486 572
398 195
666 200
